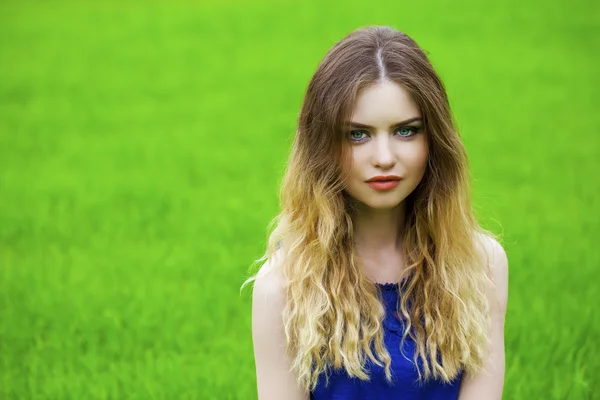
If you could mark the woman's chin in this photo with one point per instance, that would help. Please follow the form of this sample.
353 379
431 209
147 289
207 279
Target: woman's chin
381 205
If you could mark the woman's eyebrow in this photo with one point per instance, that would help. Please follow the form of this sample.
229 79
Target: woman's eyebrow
408 121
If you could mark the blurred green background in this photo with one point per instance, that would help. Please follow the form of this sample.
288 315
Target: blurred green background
141 148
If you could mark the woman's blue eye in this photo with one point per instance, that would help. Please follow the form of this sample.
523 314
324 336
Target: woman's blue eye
407 131
356 135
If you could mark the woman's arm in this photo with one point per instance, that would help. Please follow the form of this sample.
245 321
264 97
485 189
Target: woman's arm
273 377
489 383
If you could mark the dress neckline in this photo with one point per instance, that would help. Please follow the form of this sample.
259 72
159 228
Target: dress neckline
387 285
390 286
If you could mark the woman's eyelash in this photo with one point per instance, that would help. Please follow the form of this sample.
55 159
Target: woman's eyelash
355 131
414 129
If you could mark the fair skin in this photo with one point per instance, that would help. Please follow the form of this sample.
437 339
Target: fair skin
386 138
488 384
385 148
273 377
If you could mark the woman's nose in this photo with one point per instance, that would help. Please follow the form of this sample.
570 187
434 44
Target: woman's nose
383 156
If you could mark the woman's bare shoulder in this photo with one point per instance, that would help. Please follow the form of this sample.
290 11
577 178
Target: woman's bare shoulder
268 299
275 380
270 280
495 257
492 251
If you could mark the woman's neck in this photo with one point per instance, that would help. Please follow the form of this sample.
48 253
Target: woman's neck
378 231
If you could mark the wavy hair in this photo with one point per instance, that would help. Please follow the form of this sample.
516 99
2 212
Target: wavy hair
333 313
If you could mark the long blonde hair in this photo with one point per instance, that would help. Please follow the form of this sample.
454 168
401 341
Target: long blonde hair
333 314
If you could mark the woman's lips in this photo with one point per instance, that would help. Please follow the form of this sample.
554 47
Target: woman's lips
384 185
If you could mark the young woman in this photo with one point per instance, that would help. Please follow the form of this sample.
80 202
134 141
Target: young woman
378 282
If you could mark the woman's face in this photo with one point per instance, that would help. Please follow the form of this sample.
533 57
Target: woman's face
386 139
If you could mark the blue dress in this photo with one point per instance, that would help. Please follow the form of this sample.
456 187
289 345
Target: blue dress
404 373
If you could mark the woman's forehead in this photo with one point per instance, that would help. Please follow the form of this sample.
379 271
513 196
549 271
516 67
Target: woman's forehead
383 105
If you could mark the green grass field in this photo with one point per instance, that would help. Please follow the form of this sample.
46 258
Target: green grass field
141 147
